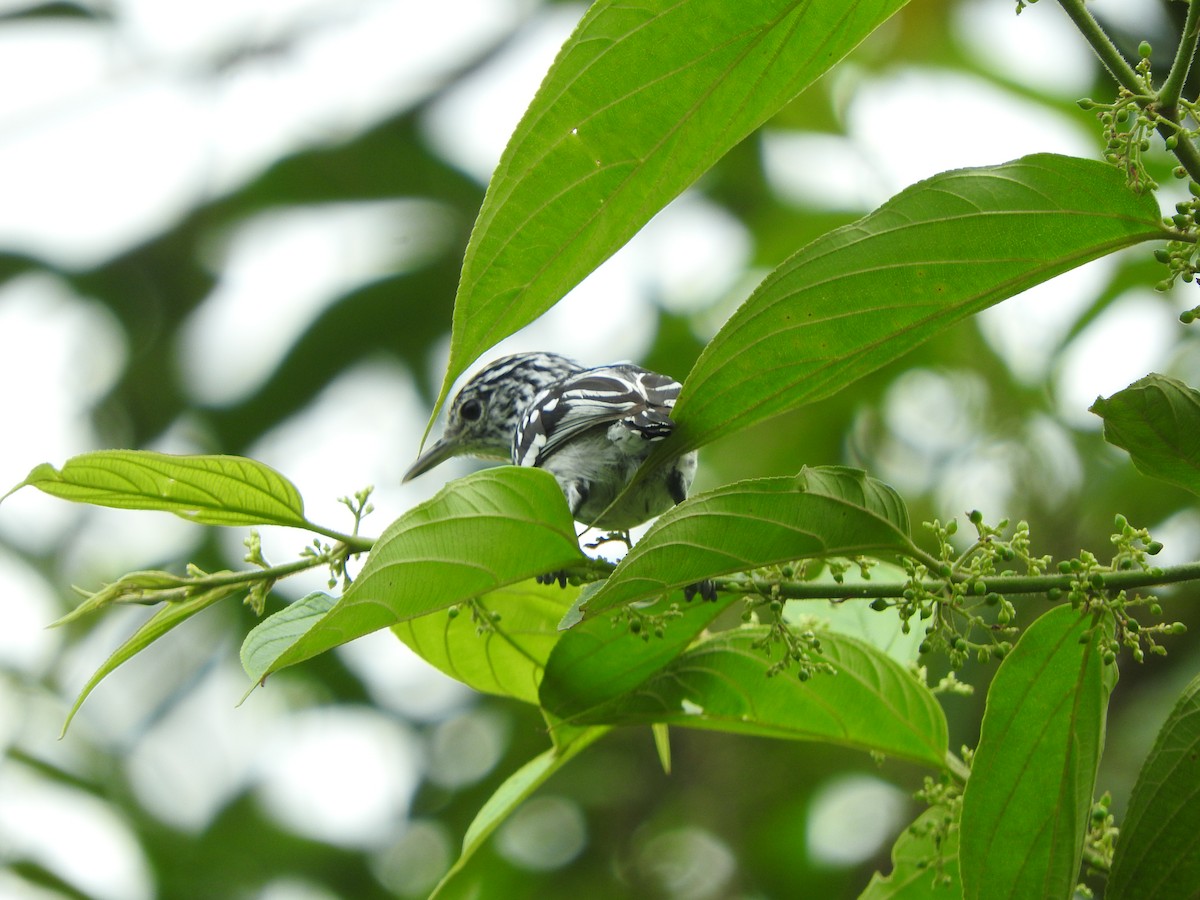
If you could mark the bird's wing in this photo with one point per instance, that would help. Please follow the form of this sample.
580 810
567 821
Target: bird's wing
627 393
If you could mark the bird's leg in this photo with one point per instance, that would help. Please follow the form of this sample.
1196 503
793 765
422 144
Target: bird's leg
609 538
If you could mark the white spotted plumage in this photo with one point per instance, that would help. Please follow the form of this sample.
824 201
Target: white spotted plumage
590 428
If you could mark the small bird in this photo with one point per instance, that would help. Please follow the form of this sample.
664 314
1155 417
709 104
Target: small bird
590 428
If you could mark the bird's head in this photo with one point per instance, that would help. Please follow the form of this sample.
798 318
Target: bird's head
483 415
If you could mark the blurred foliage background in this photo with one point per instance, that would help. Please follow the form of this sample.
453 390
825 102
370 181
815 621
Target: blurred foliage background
237 228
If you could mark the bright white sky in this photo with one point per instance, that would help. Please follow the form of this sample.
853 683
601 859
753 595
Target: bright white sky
116 131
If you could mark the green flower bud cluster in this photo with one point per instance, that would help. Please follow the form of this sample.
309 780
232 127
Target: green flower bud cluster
798 643
645 623
968 615
1089 589
945 796
1180 255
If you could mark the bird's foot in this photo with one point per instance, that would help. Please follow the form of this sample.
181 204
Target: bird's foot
620 537
551 577
705 588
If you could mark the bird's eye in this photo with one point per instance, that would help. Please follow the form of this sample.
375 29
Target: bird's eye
471 411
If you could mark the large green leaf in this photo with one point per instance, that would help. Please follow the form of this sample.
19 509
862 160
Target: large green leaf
863 295
869 701
1157 419
1026 805
501 647
602 658
823 511
479 533
210 490
924 861
644 97
515 790
1156 855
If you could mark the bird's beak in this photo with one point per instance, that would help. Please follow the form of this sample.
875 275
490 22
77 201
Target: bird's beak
441 451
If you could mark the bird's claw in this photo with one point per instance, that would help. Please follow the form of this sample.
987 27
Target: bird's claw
551 577
705 588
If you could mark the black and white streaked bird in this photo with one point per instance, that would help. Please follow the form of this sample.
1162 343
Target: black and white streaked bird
590 428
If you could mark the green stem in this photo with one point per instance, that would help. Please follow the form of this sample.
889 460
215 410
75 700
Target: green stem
1109 55
1172 88
1166 102
353 542
957 767
1002 584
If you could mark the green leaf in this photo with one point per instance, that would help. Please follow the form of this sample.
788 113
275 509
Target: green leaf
602 658
493 528
208 490
515 790
519 629
1157 419
923 868
1026 805
1156 854
167 617
863 295
643 98
273 635
869 702
823 511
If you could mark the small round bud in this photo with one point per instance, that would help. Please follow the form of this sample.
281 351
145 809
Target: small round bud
1120 522
1193 187
976 517
978 588
1154 548
1178 628
1085 103
960 644
1133 626
1188 316
1155 609
1065 567
1171 142
1144 50
992 599
879 604
924 648
1054 595
945 571
635 627
452 612
1109 657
